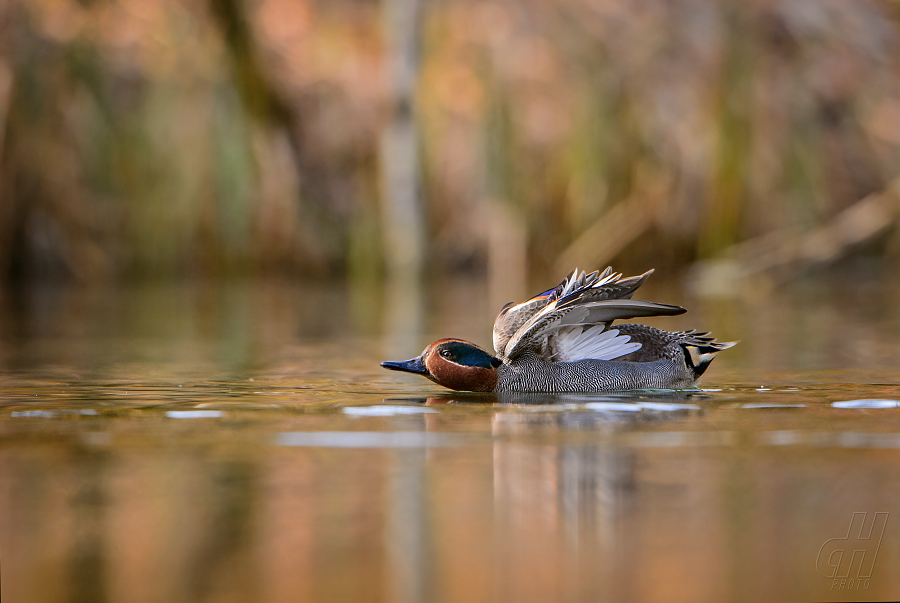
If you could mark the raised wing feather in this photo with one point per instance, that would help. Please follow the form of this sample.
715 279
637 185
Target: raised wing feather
533 334
575 304
513 316
605 285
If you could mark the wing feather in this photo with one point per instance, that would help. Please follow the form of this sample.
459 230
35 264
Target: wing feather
595 286
579 300
530 336
578 343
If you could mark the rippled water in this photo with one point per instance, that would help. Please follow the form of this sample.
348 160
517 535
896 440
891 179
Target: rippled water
241 443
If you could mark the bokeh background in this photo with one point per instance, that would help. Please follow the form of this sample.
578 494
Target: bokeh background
729 141
239 207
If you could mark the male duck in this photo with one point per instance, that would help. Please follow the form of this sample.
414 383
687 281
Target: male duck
560 341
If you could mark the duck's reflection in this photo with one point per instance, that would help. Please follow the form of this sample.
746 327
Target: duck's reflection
564 487
558 499
559 504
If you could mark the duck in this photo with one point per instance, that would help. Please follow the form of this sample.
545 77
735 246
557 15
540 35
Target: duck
563 341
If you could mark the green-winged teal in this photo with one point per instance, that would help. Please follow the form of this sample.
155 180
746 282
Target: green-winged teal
560 341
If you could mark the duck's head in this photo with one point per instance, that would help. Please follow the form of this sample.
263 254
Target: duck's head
453 363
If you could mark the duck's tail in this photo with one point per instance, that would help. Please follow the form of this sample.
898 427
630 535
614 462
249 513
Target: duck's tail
700 349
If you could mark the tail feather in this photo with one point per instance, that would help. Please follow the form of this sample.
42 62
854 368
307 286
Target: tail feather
700 349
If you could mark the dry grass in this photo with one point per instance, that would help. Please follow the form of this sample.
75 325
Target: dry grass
242 136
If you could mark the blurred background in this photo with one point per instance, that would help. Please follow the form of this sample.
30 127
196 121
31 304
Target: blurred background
239 207
729 141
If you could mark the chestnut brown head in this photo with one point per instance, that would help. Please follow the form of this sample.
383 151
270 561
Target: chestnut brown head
455 364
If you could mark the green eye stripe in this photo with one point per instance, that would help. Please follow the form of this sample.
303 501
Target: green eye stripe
466 354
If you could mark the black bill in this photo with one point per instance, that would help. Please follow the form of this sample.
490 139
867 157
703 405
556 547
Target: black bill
416 366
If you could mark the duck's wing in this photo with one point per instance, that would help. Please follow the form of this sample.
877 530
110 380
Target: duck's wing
604 285
513 316
557 330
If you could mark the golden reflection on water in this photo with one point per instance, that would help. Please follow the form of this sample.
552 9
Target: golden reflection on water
499 502
226 446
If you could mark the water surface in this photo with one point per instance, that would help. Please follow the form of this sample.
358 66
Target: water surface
240 443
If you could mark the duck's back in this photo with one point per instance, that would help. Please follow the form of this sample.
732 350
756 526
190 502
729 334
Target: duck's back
656 344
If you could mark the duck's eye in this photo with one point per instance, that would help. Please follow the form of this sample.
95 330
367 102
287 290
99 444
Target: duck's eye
446 353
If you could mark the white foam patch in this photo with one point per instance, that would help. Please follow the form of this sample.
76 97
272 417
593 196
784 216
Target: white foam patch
195 414
619 406
32 413
639 406
386 411
43 413
668 406
764 405
366 439
866 404
547 407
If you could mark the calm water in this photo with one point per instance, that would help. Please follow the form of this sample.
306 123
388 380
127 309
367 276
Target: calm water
241 443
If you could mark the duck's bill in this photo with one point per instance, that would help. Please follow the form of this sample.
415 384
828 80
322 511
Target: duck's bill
416 366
